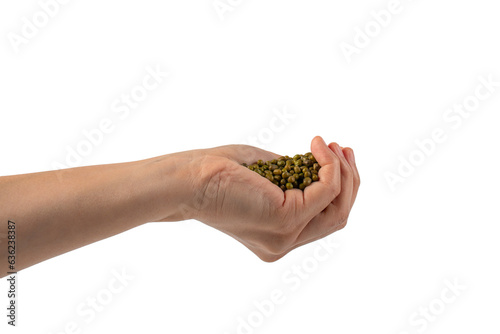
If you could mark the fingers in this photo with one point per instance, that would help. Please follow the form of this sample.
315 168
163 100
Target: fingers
344 199
349 154
334 217
319 194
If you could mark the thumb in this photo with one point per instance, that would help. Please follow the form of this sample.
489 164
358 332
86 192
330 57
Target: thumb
319 194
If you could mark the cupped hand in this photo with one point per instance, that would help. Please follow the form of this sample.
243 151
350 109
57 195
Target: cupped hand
267 220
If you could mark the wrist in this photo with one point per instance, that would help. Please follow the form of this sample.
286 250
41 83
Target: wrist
178 184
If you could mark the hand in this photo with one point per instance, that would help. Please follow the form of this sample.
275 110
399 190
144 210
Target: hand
268 221
59 211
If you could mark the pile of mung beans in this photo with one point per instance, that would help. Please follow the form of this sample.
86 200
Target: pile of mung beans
288 173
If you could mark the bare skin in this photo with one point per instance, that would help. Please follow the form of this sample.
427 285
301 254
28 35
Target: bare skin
58 211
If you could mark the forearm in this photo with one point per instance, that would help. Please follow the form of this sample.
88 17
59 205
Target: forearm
59 211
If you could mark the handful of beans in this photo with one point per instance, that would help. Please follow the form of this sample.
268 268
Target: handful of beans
288 173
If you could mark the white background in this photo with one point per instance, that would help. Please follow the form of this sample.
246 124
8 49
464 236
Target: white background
226 76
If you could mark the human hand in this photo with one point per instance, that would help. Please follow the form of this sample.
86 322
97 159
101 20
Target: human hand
268 221
67 209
